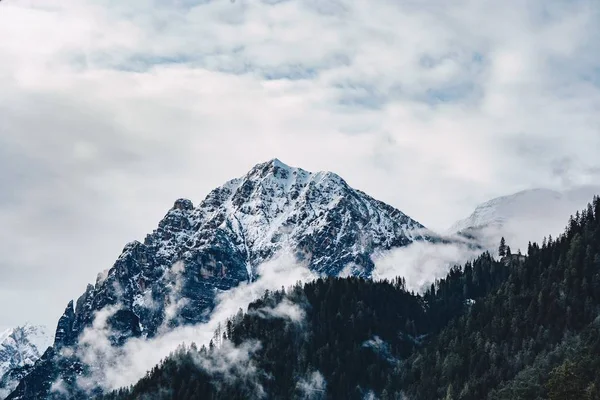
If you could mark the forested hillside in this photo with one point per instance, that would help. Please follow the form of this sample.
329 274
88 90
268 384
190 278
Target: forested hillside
528 338
517 328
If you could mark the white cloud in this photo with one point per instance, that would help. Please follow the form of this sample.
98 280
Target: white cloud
312 387
381 348
117 367
174 300
421 263
234 365
284 309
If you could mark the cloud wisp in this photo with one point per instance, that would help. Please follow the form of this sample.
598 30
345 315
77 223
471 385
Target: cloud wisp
119 366
421 263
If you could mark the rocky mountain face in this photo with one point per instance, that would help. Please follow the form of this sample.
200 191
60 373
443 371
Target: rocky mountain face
20 348
172 277
525 216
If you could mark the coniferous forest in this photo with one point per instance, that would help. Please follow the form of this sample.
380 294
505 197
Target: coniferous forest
513 328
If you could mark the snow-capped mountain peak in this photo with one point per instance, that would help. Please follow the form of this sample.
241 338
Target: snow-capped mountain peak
172 278
275 206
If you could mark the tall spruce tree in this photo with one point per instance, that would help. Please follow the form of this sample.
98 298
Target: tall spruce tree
502 247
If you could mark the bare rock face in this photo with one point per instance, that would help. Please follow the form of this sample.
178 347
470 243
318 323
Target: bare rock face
171 278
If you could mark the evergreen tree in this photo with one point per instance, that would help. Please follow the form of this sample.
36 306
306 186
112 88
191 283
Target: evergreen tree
502 247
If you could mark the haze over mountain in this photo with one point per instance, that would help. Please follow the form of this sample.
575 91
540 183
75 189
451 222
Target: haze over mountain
529 215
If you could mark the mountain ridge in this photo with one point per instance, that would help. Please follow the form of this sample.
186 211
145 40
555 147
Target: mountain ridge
170 279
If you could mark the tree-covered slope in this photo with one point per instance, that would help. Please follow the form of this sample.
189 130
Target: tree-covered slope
552 295
331 338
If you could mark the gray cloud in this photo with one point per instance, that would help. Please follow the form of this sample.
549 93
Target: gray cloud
110 110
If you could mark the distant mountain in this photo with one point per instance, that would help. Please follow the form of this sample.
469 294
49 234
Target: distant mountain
172 277
20 348
525 216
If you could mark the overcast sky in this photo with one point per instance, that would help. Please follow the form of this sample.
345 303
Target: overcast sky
110 110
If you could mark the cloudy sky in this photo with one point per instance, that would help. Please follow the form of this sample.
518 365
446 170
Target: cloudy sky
110 110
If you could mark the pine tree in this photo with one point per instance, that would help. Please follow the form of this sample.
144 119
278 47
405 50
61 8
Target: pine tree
502 248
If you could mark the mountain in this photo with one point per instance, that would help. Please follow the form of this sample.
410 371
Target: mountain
519 328
525 216
20 348
171 279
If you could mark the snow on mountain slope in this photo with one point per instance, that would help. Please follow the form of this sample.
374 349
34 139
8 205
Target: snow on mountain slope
172 278
277 207
528 204
20 348
525 216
